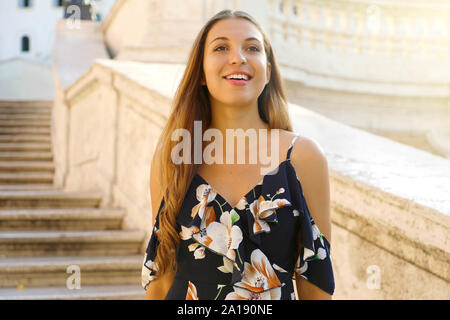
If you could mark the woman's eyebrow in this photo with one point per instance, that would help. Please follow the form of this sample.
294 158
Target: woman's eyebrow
225 38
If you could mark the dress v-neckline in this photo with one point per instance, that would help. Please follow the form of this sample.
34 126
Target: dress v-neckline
245 195
288 160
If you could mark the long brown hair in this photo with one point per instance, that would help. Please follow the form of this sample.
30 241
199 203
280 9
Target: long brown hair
191 103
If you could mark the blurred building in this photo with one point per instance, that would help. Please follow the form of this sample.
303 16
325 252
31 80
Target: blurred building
28 32
28 28
93 10
29 25
79 9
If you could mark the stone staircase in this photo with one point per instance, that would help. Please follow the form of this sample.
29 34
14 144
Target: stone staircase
47 234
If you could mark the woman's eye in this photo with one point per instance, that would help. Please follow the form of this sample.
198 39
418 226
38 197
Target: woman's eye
252 48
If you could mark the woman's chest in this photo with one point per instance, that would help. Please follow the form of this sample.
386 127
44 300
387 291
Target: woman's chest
232 183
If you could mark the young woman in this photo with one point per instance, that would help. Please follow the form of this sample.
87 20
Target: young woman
225 231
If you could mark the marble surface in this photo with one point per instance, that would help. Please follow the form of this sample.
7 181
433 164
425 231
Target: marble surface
161 77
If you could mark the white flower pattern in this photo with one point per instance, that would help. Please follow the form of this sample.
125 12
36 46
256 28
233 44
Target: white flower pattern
223 237
262 209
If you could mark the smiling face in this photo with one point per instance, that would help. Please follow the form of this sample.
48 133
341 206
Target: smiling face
235 45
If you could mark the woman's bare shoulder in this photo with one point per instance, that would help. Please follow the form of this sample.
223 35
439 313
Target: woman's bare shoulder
311 166
304 147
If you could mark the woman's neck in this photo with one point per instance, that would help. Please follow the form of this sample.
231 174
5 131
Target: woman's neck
243 117
245 124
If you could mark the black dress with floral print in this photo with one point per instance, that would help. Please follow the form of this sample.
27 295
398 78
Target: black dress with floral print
247 252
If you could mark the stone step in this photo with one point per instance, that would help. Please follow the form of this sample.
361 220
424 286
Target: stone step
24 130
61 219
27 166
24 138
24 123
30 146
111 292
55 271
27 187
26 155
25 110
41 117
26 178
74 243
27 113
27 103
13 199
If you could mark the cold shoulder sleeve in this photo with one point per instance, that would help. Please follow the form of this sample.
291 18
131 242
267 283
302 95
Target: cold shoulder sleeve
313 262
149 268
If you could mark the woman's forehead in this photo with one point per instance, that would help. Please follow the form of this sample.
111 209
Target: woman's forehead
233 29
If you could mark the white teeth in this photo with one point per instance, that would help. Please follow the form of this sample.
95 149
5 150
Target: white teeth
238 76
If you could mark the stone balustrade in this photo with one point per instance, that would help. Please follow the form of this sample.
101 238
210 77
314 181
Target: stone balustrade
377 22
390 47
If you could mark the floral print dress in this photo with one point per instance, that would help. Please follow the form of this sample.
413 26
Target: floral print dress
249 252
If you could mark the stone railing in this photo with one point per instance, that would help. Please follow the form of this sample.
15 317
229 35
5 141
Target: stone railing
390 204
384 47
74 49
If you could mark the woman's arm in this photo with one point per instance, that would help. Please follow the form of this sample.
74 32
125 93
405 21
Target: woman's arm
311 166
157 289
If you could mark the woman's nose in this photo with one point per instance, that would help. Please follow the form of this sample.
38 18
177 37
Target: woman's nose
237 56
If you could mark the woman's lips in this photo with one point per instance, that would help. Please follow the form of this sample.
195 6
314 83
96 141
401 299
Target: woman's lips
237 82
